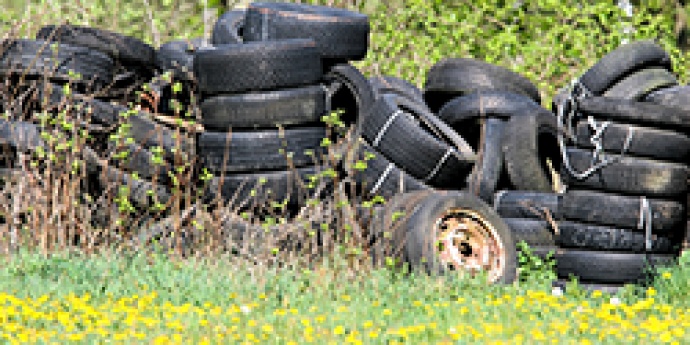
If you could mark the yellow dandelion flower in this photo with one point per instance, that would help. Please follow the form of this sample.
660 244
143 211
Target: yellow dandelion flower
651 292
417 303
262 296
267 328
250 336
375 304
291 342
666 275
341 309
368 324
293 311
339 330
161 339
373 334
387 312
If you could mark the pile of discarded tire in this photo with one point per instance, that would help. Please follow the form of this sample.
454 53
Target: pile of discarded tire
625 147
469 165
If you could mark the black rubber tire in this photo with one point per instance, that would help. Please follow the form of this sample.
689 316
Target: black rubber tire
595 237
379 176
541 233
643 113
275 186
36 58
629 175
413 148
527 204
623 61
339 34
264 108
646 142
257 66
178 55
260 150
529 142
499 104
639 84
141 161
420 241
348 90
148 134
674 97
22 136
453 77
229 28
620 211
534 232
143 194
486 173
125 49
382 84
607 267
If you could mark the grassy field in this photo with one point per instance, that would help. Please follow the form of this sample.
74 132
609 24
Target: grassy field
144 298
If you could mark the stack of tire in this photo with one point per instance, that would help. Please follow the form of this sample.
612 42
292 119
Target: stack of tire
625 170
262 99
498 112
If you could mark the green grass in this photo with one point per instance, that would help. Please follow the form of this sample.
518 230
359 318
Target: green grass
151 296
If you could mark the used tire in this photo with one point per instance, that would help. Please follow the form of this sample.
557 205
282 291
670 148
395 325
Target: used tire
629 175
639 84
388 84
500 104
646 142
375 175
623 61
621 211
486 173
643 113
178 56
674 97
229 28
527 204
244 191
541 233
264 108
606 266
392 130
36 58
453 77
529 143
424 236
260 150
348 90
535 233
256 66
125 49
339 34
432 235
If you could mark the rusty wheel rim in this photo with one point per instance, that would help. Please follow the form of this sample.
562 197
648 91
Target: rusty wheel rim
467 243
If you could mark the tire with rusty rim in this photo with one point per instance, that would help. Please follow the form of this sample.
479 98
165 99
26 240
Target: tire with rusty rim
450 231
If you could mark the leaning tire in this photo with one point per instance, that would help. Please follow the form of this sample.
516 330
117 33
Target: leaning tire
396 134
453 77
639 84
529 142
621 62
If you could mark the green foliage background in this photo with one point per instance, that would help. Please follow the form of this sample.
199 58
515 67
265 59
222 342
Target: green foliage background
549 41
